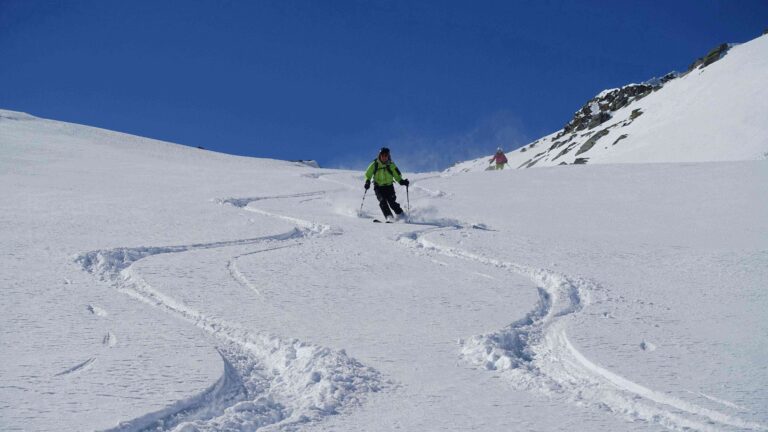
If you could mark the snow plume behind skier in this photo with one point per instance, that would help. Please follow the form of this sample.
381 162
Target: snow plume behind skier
384 173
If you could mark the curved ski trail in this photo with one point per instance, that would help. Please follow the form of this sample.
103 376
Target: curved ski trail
267 380
536 354
78 367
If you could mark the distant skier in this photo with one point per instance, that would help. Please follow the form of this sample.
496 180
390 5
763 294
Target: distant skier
500 158
384 172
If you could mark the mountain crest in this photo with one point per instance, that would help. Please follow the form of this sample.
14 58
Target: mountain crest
704 114
598 109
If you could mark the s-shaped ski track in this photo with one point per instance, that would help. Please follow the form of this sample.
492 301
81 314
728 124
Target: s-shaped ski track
265 376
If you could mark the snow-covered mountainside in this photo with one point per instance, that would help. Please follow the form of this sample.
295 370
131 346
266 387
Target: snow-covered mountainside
716 111
152 286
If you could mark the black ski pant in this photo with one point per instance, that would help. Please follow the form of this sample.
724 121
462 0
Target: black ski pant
386 196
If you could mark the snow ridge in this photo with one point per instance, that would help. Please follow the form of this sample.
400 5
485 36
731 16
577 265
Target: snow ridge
267 380
536 354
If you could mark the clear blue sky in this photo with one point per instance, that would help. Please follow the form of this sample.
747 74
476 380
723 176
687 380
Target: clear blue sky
437 81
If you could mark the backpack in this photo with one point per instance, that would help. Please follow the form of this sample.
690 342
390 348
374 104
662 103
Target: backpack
387 165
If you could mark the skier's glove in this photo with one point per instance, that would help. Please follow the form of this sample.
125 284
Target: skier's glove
404 182
367 184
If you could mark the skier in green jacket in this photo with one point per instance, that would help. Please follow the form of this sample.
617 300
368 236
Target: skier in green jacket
384 172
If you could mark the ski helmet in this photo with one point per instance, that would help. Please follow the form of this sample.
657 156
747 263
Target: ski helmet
384 150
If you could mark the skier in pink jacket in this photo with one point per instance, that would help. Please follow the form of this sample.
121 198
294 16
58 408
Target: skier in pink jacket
500 158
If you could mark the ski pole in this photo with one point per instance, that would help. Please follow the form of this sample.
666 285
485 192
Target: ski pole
408 201
360 212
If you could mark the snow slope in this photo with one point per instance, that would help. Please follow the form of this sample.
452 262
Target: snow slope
712 113
150 286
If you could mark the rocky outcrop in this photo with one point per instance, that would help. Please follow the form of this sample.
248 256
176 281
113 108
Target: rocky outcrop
621 137
592 141
604 118
712 56
307 162
598 109
580 135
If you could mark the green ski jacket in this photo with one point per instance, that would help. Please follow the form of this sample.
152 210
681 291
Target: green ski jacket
383 174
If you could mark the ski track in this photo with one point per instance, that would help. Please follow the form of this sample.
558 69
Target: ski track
729 404
229 391
264 383
78 367
267 380
109 340
309 227
536 355
238 275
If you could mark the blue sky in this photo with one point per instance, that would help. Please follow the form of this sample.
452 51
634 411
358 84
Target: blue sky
437 81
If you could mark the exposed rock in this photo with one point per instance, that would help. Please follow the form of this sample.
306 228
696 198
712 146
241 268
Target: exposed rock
531 162
561 154
309 163
592 141
712 56
598 119
658 83
584 129
669 77
565 151
556 144
597 110
620 138
580 161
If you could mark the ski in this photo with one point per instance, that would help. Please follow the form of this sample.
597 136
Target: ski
378 221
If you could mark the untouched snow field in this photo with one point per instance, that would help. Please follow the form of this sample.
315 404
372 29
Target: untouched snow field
151 286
